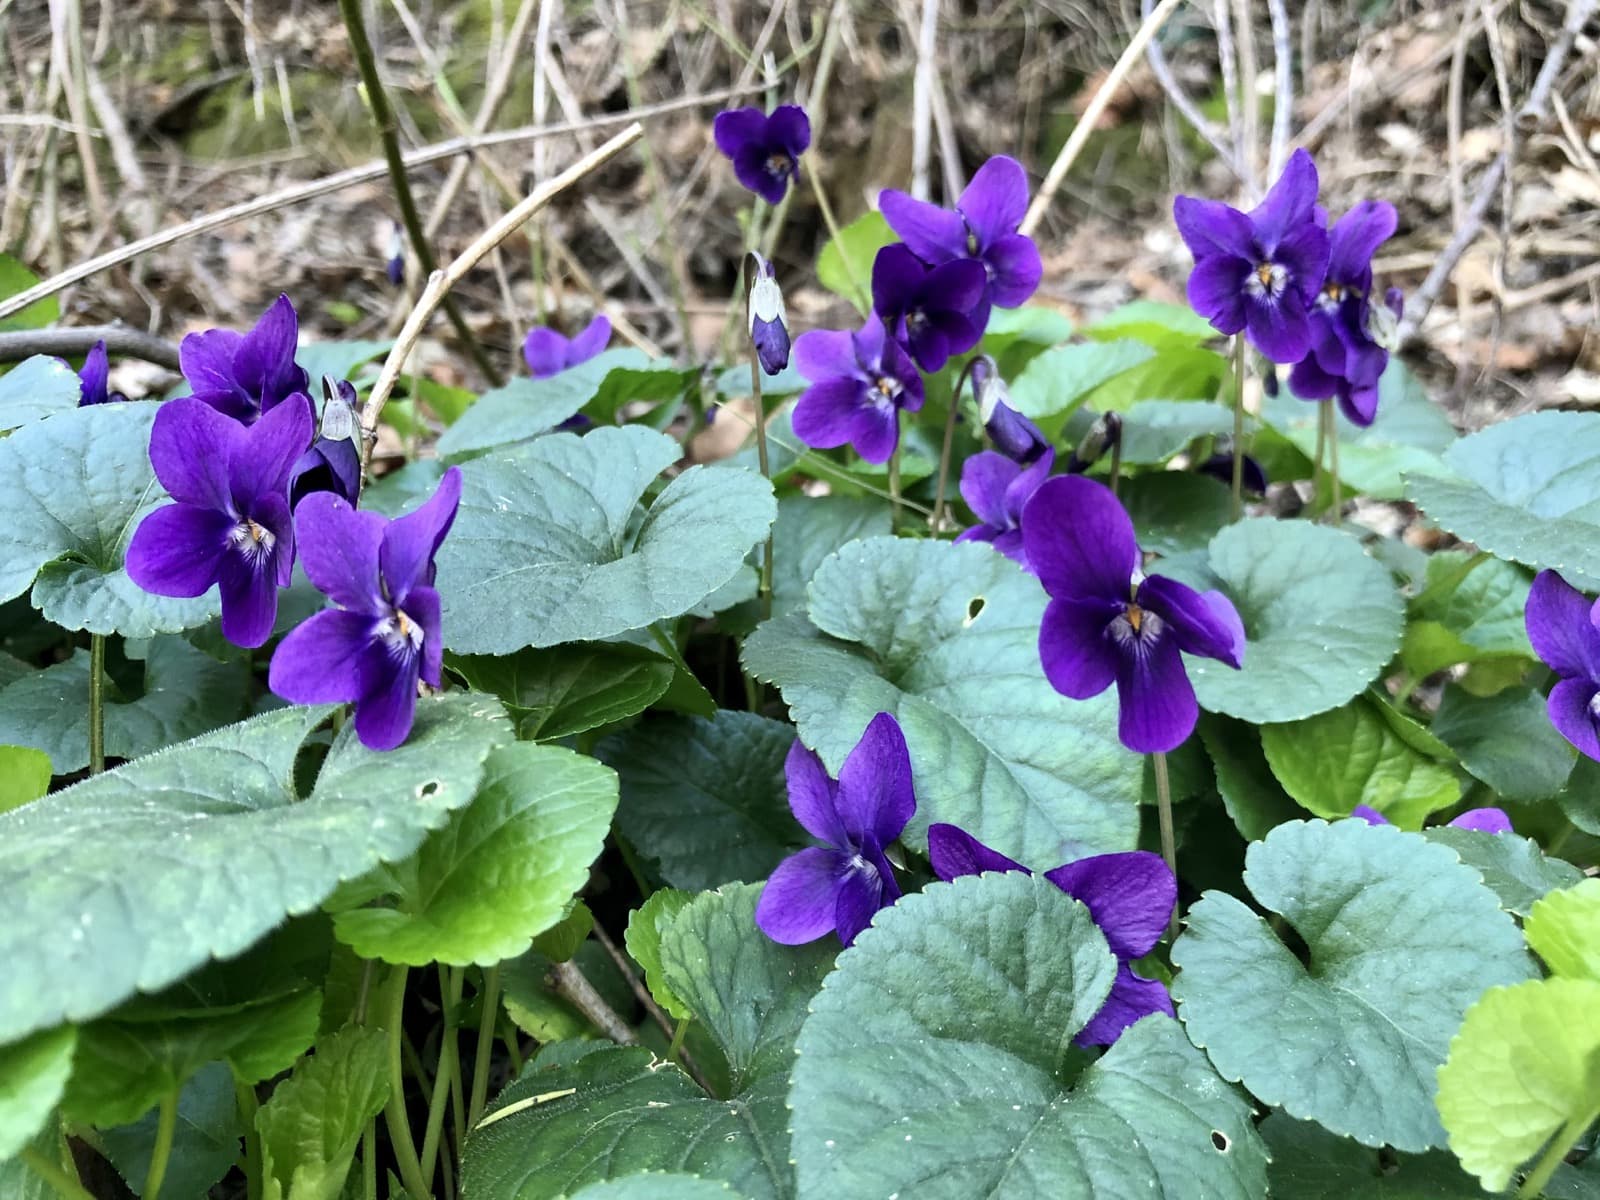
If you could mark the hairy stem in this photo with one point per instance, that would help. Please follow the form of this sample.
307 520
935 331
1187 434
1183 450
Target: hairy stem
449 1064
1568 1134
480 1060
166 1126
1169 848
394 1113
97 703
1238 424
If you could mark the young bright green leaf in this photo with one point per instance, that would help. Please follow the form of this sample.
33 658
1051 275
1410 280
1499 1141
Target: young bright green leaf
24 775
1028 329
564 690
36 388
1309 1163
1351 755
653 1185
844 266
339 359
1526 489
205 1141
15 277
1513 868
131 879
311 1125
1564 930
643 939
562 940
750 992
946 637
1402 938
500 870
1057 381
1155 323
187 693
1507 741
1469 610
68 540
1252 795
1321 619
548 546
1175 373
705 798
1524 1068
937 1063
33 1076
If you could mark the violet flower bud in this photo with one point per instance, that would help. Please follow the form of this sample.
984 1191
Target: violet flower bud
1018 438
765 316
1104 436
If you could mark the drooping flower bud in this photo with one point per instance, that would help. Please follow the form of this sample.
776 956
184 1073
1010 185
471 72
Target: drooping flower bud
1383 320
1104 435
1252 475
1018 438
396 265
333 462
766 318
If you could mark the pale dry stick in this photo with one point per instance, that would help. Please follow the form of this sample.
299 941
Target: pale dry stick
607 220
1455 83
19 344
1283 93
1249 102
337 182
927 34
66 29
1540 292
441 281
1532 113
1580 152
619 322
1227 63
1180 99
45 121
568 981
1144 36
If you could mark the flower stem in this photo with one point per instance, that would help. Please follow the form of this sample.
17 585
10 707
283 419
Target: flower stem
894 479
675 1048
480 1062
65 1186
444 1076
1238 424
394 1113
936 522
166 1126
369 1161
1169 849
1316 463
1568 1134
1333 464
97 703
766 473
860 295
245 1098
1116 466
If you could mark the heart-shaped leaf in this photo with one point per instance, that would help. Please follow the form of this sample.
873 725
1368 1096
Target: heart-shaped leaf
310 1126
36 388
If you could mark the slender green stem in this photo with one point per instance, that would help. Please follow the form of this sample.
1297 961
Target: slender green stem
894 479
480 1062
1238 424
1116 466
1568 1134
1333 462
394 1113
97 703
936 522
166 1126
860 294
245 1097
369 1161
513 1047
389 134
1169 847
766 473
449 1064
65 1186
675 1048
1316 463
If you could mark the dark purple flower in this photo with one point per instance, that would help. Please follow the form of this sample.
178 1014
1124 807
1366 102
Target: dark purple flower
768 322
839 886
395 266
933 310
231 524
384 635
1350 335
859 383
982 227
765 150
1129 895
1259 272
1253 476
548 353
1483 820
93 379
245 375
1561 627
1013 434
996 487
1108 622
333 464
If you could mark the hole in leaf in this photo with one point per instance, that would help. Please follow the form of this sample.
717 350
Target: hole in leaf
1220 1141
428 789
974 607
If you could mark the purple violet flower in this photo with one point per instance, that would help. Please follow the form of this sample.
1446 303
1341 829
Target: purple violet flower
839 886
1130 896
231 524
384 635
1259 272
333 464
548 353
1483 820
1350 336
996 488
934 311
1012 433
93 380
246 375
859 383
395 265
1560 624
768 322
1253 476
765 150
1108 622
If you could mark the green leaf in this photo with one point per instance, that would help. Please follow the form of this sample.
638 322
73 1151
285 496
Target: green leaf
74 488
522 409
1030 327
205 1140
131 879
1564 929
808 530
33 1076
1322 620
1525 1067
750 992
561 942
945 637
1476 602
1527 489
705 798
1252 795
186 693
643 939
310 1126
1507 741
1309 1163
548 546
1154 430
24 775
1401 939
937 1063
37 388
844 266
1513 868
655 1185
15 278
339 359
638 381
1176 512
1155 323
1175 373
1058 380
565 690
1409 434
501 870
1580 799
615 1112
1336 760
